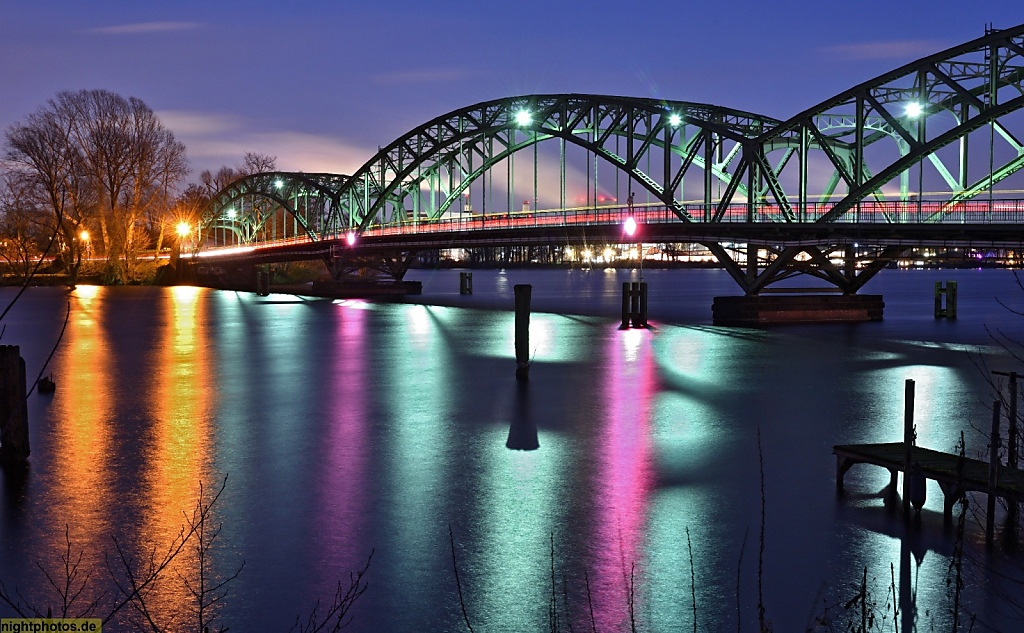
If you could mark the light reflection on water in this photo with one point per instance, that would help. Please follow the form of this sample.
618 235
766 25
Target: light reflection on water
177 451
83 440
348 426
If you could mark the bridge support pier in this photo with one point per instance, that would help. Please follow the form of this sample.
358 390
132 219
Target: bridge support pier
754 310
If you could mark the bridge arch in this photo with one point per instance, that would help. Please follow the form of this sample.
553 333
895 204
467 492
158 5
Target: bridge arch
936 109
274 205
465 144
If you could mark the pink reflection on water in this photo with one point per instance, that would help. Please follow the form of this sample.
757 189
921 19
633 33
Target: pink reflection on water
625 475
342 483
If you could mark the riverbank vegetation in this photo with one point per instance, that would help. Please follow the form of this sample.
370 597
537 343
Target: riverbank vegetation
93 183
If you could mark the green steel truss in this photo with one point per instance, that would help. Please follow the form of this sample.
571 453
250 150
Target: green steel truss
911 146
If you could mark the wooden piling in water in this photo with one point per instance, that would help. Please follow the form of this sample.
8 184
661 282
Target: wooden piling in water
945 309
523 293
634 304
14 445
909 437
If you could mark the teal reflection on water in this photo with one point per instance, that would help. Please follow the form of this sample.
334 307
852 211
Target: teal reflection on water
412 367
522 504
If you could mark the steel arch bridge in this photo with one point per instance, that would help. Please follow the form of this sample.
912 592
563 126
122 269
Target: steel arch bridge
926 153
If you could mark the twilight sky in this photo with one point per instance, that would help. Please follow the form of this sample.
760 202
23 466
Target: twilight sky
322 83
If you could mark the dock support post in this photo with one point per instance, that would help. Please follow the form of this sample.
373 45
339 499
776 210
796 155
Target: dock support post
523 293
1012 448
909 437
993 474
14 447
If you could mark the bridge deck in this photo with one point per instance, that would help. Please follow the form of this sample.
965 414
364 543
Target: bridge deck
944 468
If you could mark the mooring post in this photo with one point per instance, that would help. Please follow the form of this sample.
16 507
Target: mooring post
262 281
634 304
947 310
993 473
523 293
643 304
625 304
14 448
908 442
465 283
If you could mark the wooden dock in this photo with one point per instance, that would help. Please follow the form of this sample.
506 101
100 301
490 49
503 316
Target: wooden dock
955 475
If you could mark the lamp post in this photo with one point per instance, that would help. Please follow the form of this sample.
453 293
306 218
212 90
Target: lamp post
183 229
85 244
630 227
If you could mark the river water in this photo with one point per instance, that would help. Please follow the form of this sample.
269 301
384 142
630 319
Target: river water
351 427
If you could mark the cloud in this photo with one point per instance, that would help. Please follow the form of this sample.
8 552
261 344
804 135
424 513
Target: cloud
216 140
906 49
187 122
420 77
145 27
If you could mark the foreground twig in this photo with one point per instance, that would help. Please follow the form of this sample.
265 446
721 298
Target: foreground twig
458 585
60 337
337 615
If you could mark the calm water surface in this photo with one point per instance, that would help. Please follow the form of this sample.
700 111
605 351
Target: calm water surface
346 427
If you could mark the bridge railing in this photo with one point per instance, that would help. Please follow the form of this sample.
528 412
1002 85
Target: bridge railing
868 212
1000 211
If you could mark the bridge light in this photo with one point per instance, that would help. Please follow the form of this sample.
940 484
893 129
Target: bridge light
278 183
351 238
630 226
674 119
231 214
914 109
524 118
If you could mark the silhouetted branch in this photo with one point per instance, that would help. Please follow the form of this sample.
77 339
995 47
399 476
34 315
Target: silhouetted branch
458 585
337 615
60 337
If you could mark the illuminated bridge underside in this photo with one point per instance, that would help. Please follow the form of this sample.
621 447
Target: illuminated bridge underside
925 154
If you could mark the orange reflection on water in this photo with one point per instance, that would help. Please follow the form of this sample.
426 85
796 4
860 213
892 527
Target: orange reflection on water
177 455
82 434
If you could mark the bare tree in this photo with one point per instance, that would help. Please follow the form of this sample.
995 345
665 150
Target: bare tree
252 163
256 163
24 235
41 156
98 155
